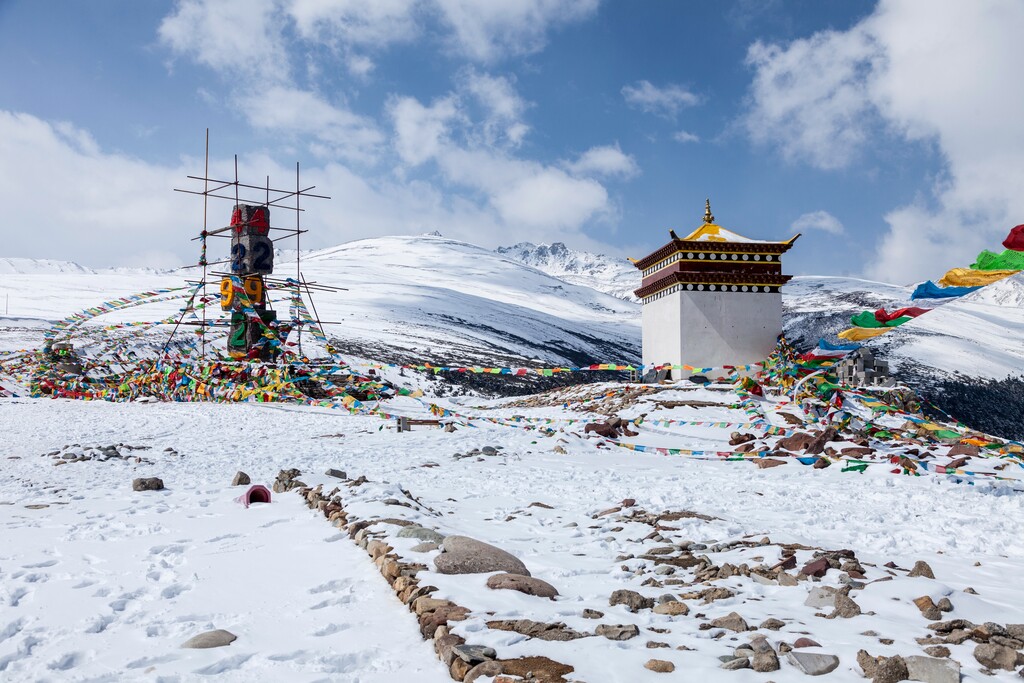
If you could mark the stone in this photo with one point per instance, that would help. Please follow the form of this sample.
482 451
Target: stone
816 567
996 656
445 644
424 547
337 474
523 584
805 642
786 579
772 624
592 614
537 629
891 670
660 666
736 664
813 664
464 555
673 608
796 442
765 661
821 597
924 603
489 669
628 502
768 463
241 479
938 651
845 607
617 631
217 638
931 670
867 663
544 670
951 625
944 605
421 533
921 568
1015 631
147 484
474 654
731 622
489 450
633 601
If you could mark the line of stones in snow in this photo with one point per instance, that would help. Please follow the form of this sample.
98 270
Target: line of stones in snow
997 647
78 453
465 662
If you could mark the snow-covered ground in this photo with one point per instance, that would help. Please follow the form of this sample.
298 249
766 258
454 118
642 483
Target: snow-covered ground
106 583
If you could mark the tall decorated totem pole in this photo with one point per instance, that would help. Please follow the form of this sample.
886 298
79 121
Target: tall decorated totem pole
244 291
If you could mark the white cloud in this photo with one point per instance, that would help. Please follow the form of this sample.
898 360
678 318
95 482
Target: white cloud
420 132
608 160
819 220
487 30
373 24
666 101
241 37
685 136
300 112
937 72
503 124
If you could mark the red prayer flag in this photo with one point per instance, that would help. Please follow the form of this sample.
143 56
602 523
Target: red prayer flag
1015 240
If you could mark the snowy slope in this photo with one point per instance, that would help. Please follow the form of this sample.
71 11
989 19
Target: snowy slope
615 276
407 298
979 335
28 266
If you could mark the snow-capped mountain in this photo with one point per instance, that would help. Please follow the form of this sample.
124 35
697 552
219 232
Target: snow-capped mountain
615 276
27 266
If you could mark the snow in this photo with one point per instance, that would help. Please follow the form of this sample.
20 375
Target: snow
106 583
615 276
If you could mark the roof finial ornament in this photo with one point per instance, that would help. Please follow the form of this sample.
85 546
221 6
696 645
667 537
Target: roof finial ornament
708 218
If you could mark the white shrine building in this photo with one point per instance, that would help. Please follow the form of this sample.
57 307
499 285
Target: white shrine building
712 298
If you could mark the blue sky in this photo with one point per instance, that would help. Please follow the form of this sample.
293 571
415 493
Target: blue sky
889 133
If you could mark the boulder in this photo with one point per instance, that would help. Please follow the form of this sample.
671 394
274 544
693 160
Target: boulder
633 601
890 670
845 607
484 669
821 597
932 670
147 484
660 666
464 555
421 533
617 631
544 670
731 622
241 479
217 638
996 656
921 568
672 608
764 661
537 629
523 584
813 664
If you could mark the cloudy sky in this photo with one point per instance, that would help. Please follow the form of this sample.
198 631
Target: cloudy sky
890 133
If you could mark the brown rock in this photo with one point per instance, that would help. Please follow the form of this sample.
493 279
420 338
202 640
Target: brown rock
764 661
772 624
660 666
767 463
443 646
673 608
731 622
633 601
523 584
241 479
891 670
867 663
544 670
617 631
459 668
996 656
821 463
147 484
805 642
816 567
937 651
921 568
924 603
796 442
536 629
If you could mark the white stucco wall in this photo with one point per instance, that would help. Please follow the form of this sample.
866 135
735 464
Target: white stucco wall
711 329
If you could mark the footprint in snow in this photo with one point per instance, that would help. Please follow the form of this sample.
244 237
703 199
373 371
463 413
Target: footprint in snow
331 629
39 565
223 666
100 624
66 661
173 591
331 586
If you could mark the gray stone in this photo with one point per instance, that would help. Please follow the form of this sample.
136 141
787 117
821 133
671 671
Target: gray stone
996 656
772 624
148 484
489 450
464 555
764 580
945 605
821 597
731 622
813 664
241 479
1015 631
474 654
488 669
617 631
523 584
424 547
736 664
921 568
932 670
218 638
592 614
633 601
337 474
422 533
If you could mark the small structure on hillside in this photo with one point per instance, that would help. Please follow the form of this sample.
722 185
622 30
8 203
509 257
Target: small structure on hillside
861 369
712 298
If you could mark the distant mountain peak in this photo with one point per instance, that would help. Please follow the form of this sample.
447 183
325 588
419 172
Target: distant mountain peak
615 276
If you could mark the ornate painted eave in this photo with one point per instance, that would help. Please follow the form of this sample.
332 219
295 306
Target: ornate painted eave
715 282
